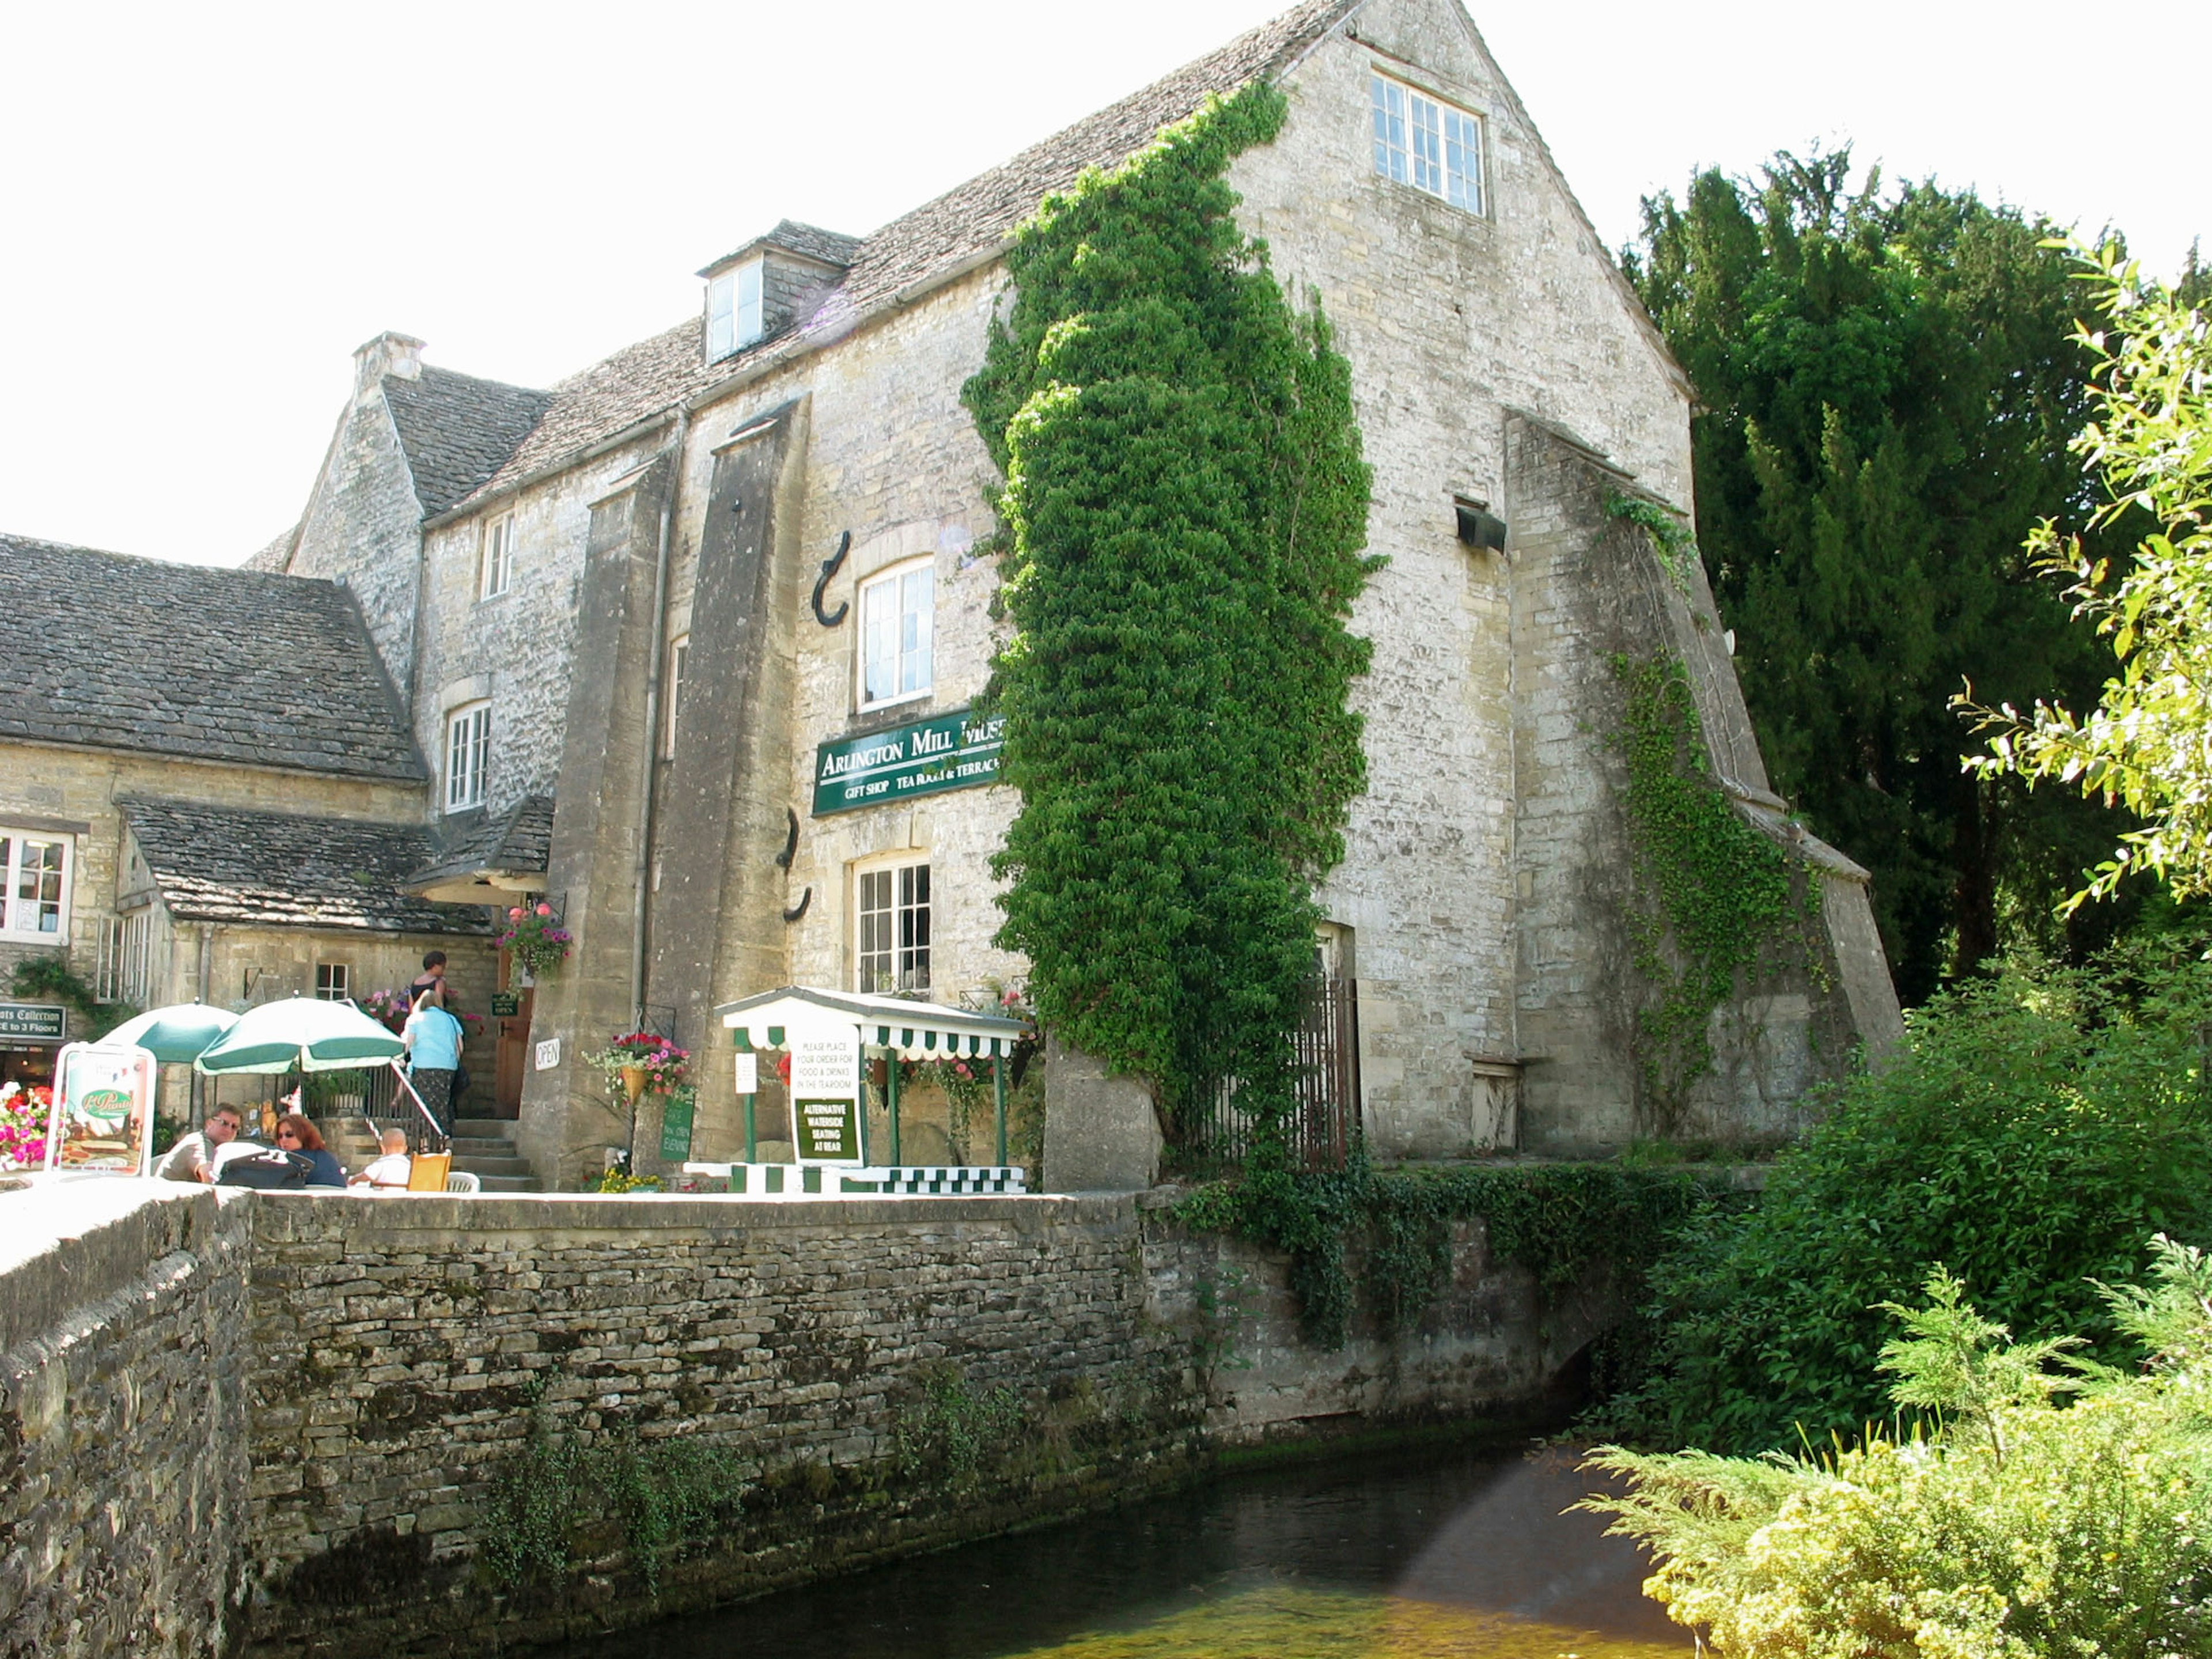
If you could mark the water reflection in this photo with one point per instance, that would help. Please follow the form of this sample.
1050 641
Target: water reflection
1456 1555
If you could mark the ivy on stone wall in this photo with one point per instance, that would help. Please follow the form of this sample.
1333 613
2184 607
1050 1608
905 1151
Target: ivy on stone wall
1561 1221
1671 540
50 977
1185 504
1714 897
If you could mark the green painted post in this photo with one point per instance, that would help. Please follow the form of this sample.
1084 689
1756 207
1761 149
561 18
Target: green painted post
999 1097
752 1142
891 1098
860 1105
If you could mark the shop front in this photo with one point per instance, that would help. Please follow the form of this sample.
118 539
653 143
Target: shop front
31 1035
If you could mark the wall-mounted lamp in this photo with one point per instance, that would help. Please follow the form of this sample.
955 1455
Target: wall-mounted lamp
1478 525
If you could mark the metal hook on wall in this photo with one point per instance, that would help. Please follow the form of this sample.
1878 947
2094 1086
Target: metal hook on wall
790 841
829 569
799 909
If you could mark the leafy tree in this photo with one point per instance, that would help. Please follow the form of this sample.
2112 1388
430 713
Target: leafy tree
2147 742
2000 1524
2032 1130
1888 391
1186 504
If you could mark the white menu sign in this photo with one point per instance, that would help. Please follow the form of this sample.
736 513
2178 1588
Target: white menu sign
825 1092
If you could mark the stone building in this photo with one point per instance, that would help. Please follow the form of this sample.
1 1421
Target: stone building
206 793
712 607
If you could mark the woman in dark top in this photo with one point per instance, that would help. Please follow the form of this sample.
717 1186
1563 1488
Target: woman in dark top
296 1134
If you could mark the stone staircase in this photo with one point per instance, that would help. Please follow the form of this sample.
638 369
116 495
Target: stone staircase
485 1147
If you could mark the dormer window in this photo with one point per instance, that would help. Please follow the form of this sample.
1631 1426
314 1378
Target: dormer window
734 316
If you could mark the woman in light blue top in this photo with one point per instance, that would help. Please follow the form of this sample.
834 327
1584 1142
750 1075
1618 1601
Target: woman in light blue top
433 1037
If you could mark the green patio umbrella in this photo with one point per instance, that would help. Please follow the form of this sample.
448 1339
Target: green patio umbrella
176 1035
303 1034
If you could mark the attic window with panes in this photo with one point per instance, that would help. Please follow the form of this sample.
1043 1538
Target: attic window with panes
1425 143
735 315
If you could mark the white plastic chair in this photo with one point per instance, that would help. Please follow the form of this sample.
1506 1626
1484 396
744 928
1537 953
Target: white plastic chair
463 1180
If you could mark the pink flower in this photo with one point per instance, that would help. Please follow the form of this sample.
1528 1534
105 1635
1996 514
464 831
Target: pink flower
515 914
545 910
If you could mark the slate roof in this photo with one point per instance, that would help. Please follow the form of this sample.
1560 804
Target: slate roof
974 219
228 864
118 653
810 242
457 430
517 841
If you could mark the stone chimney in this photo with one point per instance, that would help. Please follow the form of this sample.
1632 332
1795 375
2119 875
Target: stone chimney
400 356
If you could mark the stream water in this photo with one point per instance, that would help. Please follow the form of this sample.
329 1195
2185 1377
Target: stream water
1451 1553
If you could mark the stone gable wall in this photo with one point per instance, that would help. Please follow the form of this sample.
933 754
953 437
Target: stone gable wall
363 527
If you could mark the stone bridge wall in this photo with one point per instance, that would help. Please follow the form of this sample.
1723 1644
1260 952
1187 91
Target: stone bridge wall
397 1357
123 1454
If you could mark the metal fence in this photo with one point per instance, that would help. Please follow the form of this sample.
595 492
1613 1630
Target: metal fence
1324 1122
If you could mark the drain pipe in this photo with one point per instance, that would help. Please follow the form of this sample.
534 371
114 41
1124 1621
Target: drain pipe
654 664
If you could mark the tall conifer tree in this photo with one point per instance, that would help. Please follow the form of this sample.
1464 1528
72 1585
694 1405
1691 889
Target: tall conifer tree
1887 391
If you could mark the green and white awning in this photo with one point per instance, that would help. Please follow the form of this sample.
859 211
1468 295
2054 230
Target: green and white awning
918 1030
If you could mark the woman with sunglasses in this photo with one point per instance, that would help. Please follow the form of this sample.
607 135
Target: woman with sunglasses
296 1134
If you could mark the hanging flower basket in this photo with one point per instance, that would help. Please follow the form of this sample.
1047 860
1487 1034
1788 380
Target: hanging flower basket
642 1063
534 939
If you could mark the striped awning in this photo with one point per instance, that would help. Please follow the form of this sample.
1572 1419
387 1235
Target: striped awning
918 1030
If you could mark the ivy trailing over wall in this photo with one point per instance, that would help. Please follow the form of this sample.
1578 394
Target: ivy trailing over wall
50 976
1715 897
1671 540
1184 507
1560 1221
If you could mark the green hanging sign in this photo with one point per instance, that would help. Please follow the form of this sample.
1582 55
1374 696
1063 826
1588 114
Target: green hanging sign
676 1127
953 751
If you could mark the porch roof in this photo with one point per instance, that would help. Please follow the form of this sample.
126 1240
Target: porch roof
918 1030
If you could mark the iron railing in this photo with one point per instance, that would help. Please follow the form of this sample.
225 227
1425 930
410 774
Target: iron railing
1323 1125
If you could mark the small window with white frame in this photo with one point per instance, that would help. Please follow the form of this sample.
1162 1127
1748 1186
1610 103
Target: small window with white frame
1427 144
468 756
333 980
679 659
891 927
897 634
34 885
734 314
496 573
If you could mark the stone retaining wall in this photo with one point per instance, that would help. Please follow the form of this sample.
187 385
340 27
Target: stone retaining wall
863 1377
123 1454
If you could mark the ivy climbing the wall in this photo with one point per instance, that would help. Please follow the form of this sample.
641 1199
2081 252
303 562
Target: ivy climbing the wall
1380 1240
1185 505
1714 897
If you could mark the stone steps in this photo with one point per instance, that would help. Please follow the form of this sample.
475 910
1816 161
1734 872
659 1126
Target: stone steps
485 1148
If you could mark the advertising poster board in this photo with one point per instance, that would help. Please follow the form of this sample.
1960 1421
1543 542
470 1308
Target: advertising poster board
825 1093
103 1115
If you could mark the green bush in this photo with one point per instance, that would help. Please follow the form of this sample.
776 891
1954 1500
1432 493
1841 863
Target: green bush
1992 1523
2034 1129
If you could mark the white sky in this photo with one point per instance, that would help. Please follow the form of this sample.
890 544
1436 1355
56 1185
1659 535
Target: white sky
204 209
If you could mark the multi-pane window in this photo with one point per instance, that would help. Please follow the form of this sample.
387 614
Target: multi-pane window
498 571
893 941
333 980
1427 144
125 970
33 886
896 613
733 310
468 756
679 658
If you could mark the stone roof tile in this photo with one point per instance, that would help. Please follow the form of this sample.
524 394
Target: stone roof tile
518 842
974 220
112 651
457 430
279 870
